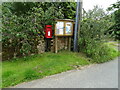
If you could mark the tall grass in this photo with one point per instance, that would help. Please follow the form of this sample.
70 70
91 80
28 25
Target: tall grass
105 52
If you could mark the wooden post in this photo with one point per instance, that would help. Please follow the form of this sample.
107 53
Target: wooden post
69 44
66 43
56 47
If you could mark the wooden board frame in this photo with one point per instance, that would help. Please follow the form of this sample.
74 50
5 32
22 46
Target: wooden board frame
65 21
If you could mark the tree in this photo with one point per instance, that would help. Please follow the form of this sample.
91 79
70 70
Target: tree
66 8
115 29
96 13
92 34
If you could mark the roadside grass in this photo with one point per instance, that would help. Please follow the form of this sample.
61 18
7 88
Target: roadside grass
39 66
108 52
112 43
112 53
0 74
114 49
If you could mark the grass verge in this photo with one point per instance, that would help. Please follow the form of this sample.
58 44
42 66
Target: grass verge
106 53
39 66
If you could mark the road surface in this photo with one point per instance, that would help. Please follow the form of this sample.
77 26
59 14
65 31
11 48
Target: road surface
94 76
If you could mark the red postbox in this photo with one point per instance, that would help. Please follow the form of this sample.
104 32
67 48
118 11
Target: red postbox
48 31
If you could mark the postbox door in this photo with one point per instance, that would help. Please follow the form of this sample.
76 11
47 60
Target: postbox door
48 32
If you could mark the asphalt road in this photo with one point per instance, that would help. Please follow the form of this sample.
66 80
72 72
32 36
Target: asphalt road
94 76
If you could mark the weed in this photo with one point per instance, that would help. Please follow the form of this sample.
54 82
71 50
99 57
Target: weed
30 74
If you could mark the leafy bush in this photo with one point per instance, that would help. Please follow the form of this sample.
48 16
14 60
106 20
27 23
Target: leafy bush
114 30
19 34
92 39
92 36
102 53
23 28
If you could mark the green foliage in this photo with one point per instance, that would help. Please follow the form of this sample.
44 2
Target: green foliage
114 30
96 13
24 22
115 6
102 53
38 66
93 36
17 31
66 8
19 8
